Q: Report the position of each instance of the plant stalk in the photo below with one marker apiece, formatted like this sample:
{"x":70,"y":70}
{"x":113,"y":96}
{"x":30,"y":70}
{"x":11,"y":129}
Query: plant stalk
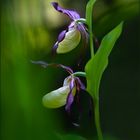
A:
{"x":89,"y":11}
{"x":97,"y":119}
{"x":79,"y":73}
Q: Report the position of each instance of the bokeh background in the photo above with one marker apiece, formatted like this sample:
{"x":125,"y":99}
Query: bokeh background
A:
{"x":29,"y":28}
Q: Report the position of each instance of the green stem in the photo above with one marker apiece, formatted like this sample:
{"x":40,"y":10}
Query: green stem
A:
{"x":79,"y":73}
{"x":81,"y":20}
{"x":97,"y":119}
{"x":89,"y":11}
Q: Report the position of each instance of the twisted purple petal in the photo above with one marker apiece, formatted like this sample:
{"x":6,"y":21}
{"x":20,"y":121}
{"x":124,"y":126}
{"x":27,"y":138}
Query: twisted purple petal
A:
{"x":82,"y":86}
{"x":81,"y":27}
{"x":72,"y":14}
{"x":55,"y":48}
{"x":70,"y":97}
{"x":60,"y":38}
{"x":62,"y":35}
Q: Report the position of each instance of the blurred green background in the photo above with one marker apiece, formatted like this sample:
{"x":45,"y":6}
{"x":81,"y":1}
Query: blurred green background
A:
{"x":29,"y":28}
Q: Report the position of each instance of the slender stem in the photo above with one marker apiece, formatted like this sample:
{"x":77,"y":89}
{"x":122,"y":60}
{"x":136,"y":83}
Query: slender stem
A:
{"x":89,"y":11}
{"x":79,"y":73}
{"x":97,"y":119}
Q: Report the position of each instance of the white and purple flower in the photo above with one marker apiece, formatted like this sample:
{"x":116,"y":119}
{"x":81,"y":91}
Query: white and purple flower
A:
{"x":70,"y":38}
{"x":64,"y":95}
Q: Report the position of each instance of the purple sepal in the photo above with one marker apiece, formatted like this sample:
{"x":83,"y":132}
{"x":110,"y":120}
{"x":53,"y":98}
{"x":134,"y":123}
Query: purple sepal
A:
{"x":68,"y":69}
{"x":45,"y":64}
{"x":72,"y":14}
{"x":42,"y":63}
{"x":70,"y":97}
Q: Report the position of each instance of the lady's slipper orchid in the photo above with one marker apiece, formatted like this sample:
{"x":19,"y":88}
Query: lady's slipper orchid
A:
{"x":70,"y":38}
{"x":65,"y":94}
{"x":58,"y":98}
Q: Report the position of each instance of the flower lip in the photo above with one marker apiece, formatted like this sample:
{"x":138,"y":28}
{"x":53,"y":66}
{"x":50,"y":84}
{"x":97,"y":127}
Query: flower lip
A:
{"x":56,"y":98}
{"x":70,"y":41}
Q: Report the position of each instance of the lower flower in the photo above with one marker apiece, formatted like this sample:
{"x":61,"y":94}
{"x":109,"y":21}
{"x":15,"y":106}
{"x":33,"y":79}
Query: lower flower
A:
{"x":65,"y":94}
{"x":61,"y":96}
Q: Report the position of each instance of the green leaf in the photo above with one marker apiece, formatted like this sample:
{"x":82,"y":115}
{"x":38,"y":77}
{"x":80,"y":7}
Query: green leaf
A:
{"x":98,"y":63}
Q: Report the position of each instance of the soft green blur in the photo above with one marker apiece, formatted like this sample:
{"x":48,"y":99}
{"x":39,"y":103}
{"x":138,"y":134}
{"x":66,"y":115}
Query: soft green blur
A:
{"x":29,"y":28}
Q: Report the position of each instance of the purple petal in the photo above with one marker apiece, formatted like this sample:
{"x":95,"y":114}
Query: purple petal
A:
{"x":70,"y":97}
{"x":84,"y":33}
{"x":82,"y":86}
{"x":61,"y":35}
{"x":55,"y":48}
{"x":60,"y":38}
{"x":72,"y":14}
{"x":70,"y":100}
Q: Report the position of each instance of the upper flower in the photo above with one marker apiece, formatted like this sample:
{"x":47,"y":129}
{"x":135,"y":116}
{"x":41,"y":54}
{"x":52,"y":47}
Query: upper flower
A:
{"x":69,"y":39}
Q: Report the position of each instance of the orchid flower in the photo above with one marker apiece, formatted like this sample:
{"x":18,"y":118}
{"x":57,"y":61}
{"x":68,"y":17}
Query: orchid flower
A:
{"x":70,"y":38}
{"x":64,"y":95}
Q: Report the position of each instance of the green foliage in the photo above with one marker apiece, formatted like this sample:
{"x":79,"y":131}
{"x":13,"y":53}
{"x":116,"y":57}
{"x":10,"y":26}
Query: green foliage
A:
{"x":98,"y":63}
{"x":89,"y":8}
